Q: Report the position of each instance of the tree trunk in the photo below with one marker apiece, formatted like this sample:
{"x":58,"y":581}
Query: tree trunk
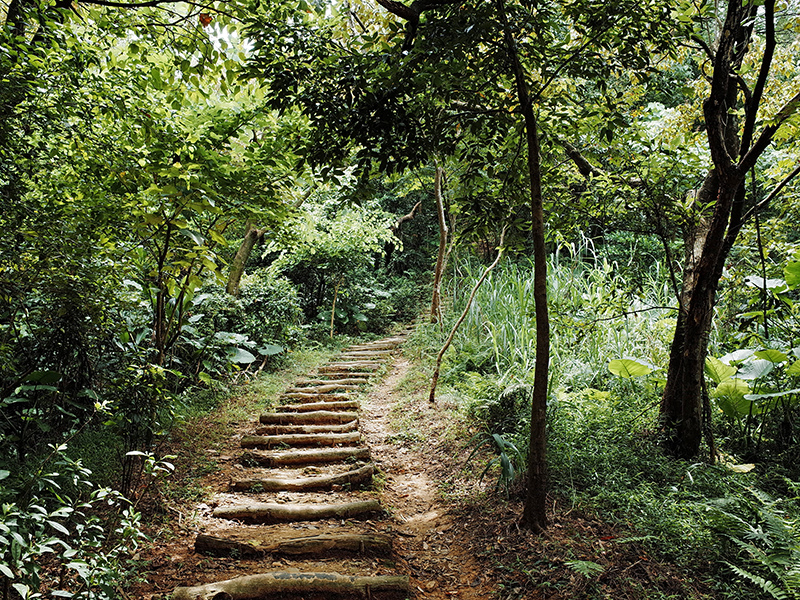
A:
{"x":251,"y":238}
{"x":253,"y":587}
{"x":443,"y":232}
{"x":258,"y":543}
{"x":534,"y":514}
{"x":267,"y":458}
{"x":304,"y":484}
{"x":300,"y":439}
{"x":266,"y":513}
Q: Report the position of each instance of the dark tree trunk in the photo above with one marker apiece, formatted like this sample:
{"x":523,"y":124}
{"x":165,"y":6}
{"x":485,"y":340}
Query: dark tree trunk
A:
{"x":534,"y":514}
{"x":682,"y":415}
{"x":443,"y":233}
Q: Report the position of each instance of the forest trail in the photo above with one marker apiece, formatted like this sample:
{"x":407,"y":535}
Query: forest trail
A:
{"x":323,"y":499}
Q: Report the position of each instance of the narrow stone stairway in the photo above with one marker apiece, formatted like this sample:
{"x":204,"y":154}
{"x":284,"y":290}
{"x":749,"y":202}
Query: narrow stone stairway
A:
{"x":303,"y":511}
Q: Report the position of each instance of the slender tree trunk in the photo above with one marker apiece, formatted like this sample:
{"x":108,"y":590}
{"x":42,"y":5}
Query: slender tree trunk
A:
{"x":443,"y":232}
{"x":534,"y":513}
{"x":251,"y":238}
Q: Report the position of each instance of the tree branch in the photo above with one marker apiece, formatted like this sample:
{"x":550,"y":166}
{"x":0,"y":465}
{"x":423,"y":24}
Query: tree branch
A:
{"x":753,"y":102}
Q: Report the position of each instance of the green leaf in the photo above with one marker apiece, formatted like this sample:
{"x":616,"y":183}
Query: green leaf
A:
{"x":241,"y":356}
{"x":737,"y":356}
{"x":270,"y":350}
{"x":205,"y":378}
{"x":772,"y":394}
{"x":6,"y":571}
{"x":794,"y":368}
{"x":774,"y":356}
{"x":627,"y":368}
{"x":717,"y":370}
{"x":44,"y":377}
{"x":5,"y":474}
{"x":22,"y":589}
{"x":755,"y":369}
{"x":791,"y":273}
{"x":730,"y":397}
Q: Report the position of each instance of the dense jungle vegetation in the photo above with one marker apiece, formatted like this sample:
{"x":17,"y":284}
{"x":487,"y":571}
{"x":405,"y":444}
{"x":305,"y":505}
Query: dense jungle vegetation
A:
{"x":192,"y":191}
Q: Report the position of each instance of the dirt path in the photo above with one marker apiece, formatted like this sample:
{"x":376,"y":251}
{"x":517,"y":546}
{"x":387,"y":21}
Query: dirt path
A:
{"x":321,"y":497}
{"x":417,"y":522}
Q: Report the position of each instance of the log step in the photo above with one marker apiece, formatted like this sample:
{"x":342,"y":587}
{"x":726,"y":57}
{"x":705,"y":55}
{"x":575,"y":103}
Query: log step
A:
{"x":350,"y":366}
{"x":268,"y":513}
{"x":249,"y":544}
{"x":314,"y":406}
{"x":268,"y":585}
{"x":340,"y":374}
{"x":317,"y":416}
{"x":271,"y":458}
{"x":300,"y":439}
{"x":368,"y":347}
{"x":365,"y":354}
{"x":322,"y":389}
{"x":311,"y":397}
{"x":350,"y":380}
{"x":305,"y":429}
{"x":304,"y":484}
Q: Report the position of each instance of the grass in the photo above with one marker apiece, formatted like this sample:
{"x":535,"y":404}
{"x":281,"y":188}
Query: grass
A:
{"x":604,"y":455}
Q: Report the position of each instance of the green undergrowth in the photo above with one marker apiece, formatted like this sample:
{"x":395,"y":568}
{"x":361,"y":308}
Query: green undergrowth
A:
{"x":209,"y":417}
{"x":730,"y":526}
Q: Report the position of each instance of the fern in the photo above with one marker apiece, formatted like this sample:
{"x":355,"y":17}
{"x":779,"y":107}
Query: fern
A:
{"x":589,"y":569}
{"x":766,"y":585}
{"x":769,"y":541}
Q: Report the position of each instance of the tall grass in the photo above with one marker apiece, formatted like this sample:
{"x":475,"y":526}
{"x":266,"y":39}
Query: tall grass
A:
{"x":603,"y":450}
{"x":594,"y":320}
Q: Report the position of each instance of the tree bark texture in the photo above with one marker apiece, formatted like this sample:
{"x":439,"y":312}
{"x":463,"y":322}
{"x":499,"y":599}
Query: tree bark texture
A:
{"x":262,"y":543}
{"x":443,"y":232}
{"x":262,"y":512}
{"x":319,"y":416}
{"x":254,"y":587}
{"x":315,"y":406}
{"x":307,"y":429}
{"x":268,"y":458}
{"x":534,"y":514}
{"x":300,"y":439}
{"x":251,"y":237}
{"x":304,"y":484}
{"x":681,"y":415}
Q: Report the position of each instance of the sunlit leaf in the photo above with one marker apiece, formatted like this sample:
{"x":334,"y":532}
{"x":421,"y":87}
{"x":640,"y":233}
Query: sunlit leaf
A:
{"x":717,"y":370}
{"x":628,"y":367}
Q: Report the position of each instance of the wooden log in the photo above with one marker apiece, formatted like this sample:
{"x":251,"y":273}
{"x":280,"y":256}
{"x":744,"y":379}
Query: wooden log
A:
{"x":254,"y":587}
{"x":345,"y":366}
{"x":294,"y":429}
{"x":368,"y":347}
{"x":313,"y":406}
{"x":270,"y":458}
{"x":317,"y":416}
{"x":344,"y":374}
{"x":312,"y":397}
{"x":267,"y":513}
{"x":303,"y":484}
{"x":365,"y":354}
{"x":322,"y":389}
{"x":251,"y":544}
{"x":300,"y":439}
{"x":351,"y":380}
